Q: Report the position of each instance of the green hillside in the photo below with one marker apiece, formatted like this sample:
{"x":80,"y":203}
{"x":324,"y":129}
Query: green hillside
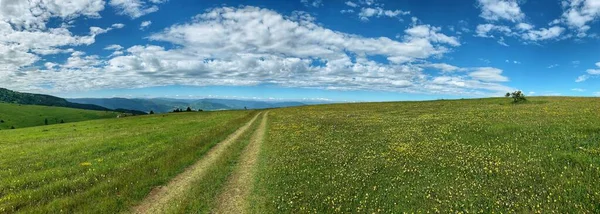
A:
{"x":103,"y":166}
{"x":9,"y":96}
{"x":20,"y":116}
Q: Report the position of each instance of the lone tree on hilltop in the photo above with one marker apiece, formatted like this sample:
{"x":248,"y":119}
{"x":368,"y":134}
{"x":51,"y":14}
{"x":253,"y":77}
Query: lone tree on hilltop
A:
{"x":188,"y":109}
{"x":517,"y":96}
{"x":151,"y":112}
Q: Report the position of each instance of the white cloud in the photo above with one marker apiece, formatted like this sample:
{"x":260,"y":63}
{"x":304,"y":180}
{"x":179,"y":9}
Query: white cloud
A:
{"x":250,"y":46}
{"x":485,"y":30}
{"x":444,"y":67}
{"x":488,"y":74}
{"x":495,"y":10}
{"x":368,"y":12}
{"x":592,"y":72}
{"x":34,"y":15}
{"x":351,"y":4}
{"x":553,"y":66}
{"x":513,"y":61}
{"x":145,"y":24}
{"x":24,"y":34}
{"x":371,"y":8}
{"x":313,"y":3}
{"x":532,"y":35}
{"x":118,"y":25}
{"x":524,"y":26}
{"x":135,"y":8}
{"x":543,"y":33}
{"x":114,"y":47}
{"x":582,"y":78}
{"x":578,"y":89}
{"x":578,"y":14}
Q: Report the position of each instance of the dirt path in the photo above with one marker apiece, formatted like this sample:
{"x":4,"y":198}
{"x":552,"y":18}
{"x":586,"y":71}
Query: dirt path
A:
{"x":234,"y":195}
{"x":159,"y":197}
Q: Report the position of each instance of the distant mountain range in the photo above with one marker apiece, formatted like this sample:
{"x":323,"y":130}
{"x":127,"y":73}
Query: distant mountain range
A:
{"x":8,"y":96}
{"x":162,"y":105}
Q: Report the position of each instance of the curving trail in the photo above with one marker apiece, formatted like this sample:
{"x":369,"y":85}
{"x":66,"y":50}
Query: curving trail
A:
{"x":159,"y":198}
{"x":234,"y":195}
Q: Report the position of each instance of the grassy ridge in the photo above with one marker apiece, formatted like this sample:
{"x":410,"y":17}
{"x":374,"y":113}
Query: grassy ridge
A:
{"x":465,"y":155}
{"x":21,"y":116}
{"x":103,"y":166}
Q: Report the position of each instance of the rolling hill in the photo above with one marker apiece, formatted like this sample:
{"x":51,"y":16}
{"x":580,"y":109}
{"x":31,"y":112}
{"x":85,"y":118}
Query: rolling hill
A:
{"x":20,"y":116}
{"x":9,"y":96}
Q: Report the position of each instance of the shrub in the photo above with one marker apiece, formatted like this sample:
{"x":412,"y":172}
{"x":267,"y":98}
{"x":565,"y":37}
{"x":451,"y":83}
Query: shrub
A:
{"x":517,"y":96}
{"x":62,"y":121}
{"x":188,"y":109}
{"x":12,"y":127}
{"x":46,"y":121}
{"x":1,"y":121}
{"x":151,"y":112}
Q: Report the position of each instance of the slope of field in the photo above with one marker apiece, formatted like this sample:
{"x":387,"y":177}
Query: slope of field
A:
{"x":442,"y":156}
{"x":20,"y":116}
{"x":104,"y":166}
{"x":8,"y":96}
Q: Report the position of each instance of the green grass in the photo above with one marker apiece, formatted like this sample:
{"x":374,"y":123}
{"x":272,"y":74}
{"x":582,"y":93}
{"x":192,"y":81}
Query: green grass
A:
{"x":21,"y":116}
{"x":202,"y":197}
{"x":103,"y":166}
{"x":442,"y":156}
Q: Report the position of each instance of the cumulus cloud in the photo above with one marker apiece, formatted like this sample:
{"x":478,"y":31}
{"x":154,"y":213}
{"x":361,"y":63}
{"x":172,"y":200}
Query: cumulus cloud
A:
{"x":582,"y":78}
{"x":312,"y":3}
{"x":592,"y":72}
{"x":114,"y":47}
{"x":135,"y":8}
{"x":444,"y":67}
{"x":368,"y":12}
{"x":371,"y":8}
{"x":250,"y":46}
{"x":525,"y":32}
{"x":495,"y":10}
{"x":145,"y":24}
{"x":488,"y":74}
{"x":24,"y":34}
{"x":578,"y":14}
{"x":118,"y":25}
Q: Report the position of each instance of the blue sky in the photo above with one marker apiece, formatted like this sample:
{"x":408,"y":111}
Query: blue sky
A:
{"x":346,"y":50}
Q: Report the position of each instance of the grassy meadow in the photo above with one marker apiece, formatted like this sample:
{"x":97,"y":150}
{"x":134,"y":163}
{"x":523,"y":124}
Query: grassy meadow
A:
{"x":103,"y":166}
{"x":20,"y":116}
{"x":463,"y":156}
{"x":468,"y":156}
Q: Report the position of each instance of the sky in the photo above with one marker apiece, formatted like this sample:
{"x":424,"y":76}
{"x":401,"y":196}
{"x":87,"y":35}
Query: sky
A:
{"x":321,"y":50}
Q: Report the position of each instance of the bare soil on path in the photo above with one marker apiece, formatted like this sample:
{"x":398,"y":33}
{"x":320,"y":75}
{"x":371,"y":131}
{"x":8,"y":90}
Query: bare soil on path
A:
{"x":233,"y":199}
{"x":159,"y":198}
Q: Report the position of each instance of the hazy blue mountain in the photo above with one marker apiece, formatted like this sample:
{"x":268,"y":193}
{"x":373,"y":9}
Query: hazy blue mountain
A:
{"x":135,"y":104}
{"x":9,"y":96}
{"x":162,"y":105}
